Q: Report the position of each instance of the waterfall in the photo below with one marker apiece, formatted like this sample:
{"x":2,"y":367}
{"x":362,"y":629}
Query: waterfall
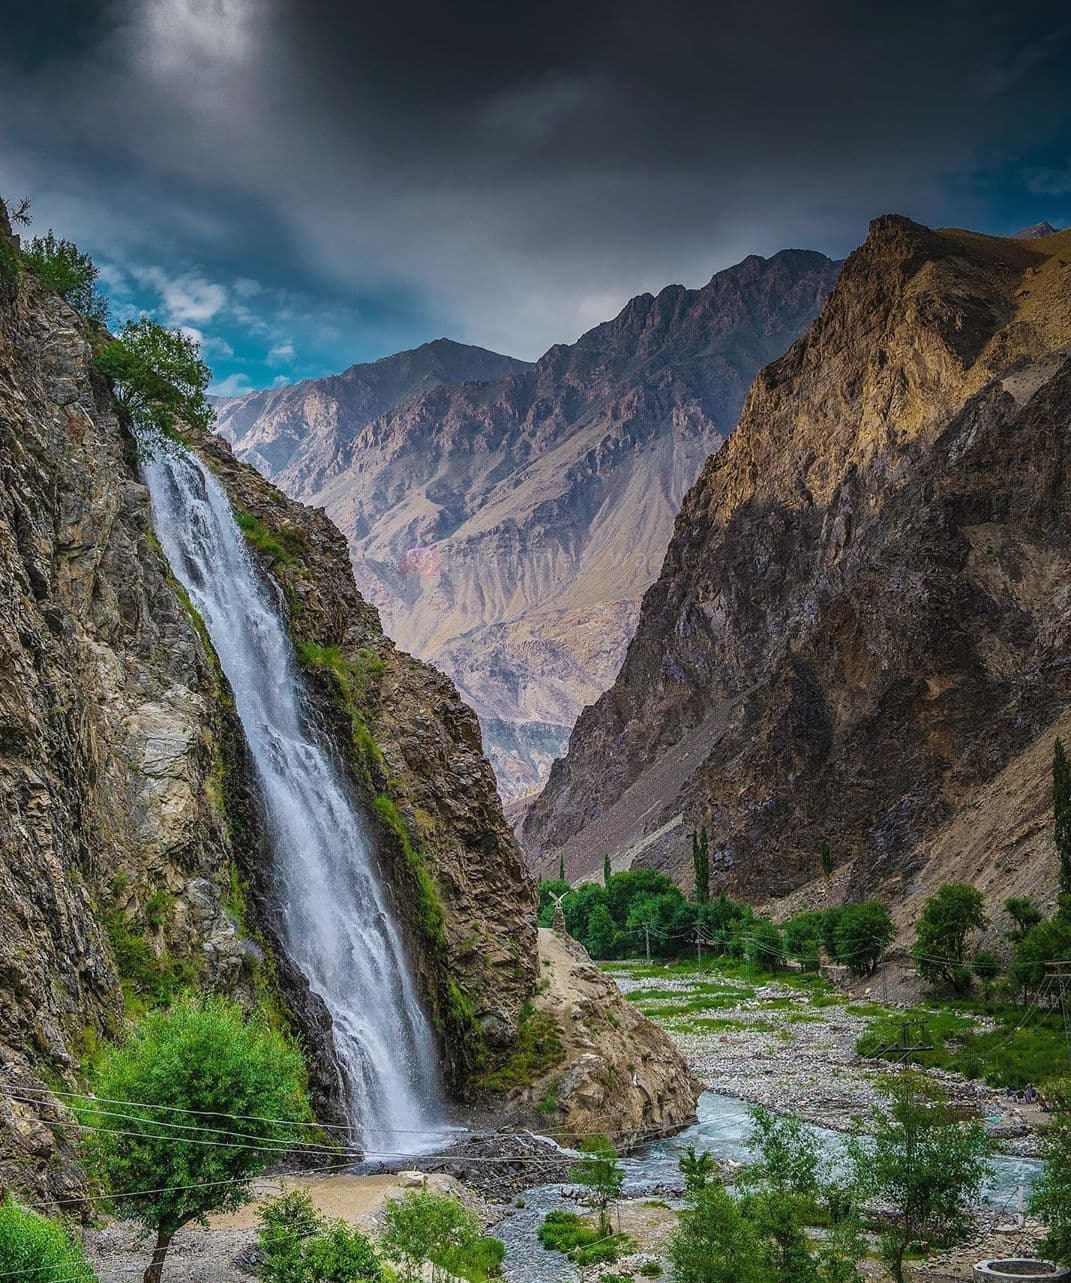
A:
{"x":337,"y":927}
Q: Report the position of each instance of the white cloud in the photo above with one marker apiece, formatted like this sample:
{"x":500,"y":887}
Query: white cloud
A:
{"x":246,"y":288}
{"x":281,"y":353}
{"x":187,"y":298}
{"x":236,"y":384}
{"x":280,"y":381}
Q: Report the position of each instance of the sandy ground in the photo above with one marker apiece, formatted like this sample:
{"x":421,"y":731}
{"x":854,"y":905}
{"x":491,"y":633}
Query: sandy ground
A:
{"x":219,"y":1253}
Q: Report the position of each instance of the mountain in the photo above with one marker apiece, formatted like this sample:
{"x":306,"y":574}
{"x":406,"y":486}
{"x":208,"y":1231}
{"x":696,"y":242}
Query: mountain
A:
{"x":507,"y":529}
{"x":136,"y":860}
{"x":286,"y":432}
{"x":860,"y":633}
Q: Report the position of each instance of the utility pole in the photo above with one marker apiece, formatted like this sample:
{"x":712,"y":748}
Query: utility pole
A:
{"x":647,"y":940}
{"x":1061,"y":971}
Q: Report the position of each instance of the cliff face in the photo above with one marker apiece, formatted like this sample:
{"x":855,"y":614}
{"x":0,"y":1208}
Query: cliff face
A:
{"x":132,"y":861}
{"x":508,"y":528}
{"x":115,"y":742}
{"x":862,"y":616}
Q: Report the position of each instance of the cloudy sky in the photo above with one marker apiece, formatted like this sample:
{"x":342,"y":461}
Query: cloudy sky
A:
{"x":307,"y":184}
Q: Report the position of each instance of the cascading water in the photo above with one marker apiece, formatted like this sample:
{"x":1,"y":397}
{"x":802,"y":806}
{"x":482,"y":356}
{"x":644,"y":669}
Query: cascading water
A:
{"x":337,"y":928}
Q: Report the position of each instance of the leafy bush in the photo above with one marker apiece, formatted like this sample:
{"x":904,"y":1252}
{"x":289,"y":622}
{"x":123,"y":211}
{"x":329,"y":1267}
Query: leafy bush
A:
{"x":764,"y":947}
{"x":423,"y":1227}
{"x":803,"y":938}
{"x":297,"y":1245}
{"x":157,"y":377}
{"x":1042,"y":943}
{"x":39,"y":1250}
{"x":1051,"y":1199}
{"x":62,"y":267}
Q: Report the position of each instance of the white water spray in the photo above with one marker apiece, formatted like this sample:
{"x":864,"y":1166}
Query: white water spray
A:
{"x":336,"y":925}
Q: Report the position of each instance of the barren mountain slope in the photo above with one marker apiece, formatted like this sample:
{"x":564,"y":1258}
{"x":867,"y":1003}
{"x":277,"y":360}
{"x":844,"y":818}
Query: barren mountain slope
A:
{"x":863,"y":614}
{"x":287,"y":432}
{"x":507,"y":529}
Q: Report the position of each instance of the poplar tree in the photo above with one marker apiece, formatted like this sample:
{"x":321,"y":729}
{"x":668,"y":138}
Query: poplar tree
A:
{"x":606,"y":869}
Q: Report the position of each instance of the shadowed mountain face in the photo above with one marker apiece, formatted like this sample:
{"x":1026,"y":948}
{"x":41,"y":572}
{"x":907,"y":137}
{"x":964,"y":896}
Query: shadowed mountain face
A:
{"x":508,"y":526}
{"x":863,"y":616}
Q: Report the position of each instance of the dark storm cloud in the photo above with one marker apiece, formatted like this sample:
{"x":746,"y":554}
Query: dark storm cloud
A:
{"x":520,"y":170}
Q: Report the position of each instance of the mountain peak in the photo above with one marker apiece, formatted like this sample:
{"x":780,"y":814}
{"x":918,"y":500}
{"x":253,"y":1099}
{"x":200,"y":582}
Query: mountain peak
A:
{"x":1035,"y":232}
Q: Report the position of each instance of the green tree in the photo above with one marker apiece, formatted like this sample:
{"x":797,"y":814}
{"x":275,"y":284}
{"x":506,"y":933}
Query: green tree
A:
{"x":423,"y":1227}
{"x":714,"y":1243}
{"x":986,"y":966}
{"x":62,"y":267}
{"x":157,"y":376}
{"x":787,"y":1156}
{"x":168,"y":1168}
{"x":601,"y":938}
{"x":764,"y":947}
{"x":696,"y":1168}
{"x":561,"y":866}
{"x":825,"y":859}
{"x":38,"y":1250}
{"x":297,"y":1245}
{"x":1051,"y":1197}
{"x":941,"y":934}
{"x":1044,"y":943}
{"x":1061,"y":822}
{"x":1023,"y":913}
{"x":701,"y":865}
{"x":607,"y":872}
{"x":803,"y":939}
{"x":599,"y":1172}
{"x":862,"y":935}
{"x":925,"y":1163}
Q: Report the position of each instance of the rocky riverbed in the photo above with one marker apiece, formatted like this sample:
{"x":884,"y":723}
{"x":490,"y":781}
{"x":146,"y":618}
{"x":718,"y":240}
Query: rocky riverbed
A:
{"x":792,"y":1050}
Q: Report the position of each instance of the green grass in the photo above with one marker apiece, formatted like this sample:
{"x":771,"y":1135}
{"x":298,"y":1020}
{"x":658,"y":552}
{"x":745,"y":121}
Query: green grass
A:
{"x":536,"y":1052}
{"x":578,"y":1238}
{"x":1014,"y":1053}
{"x":282,"y":548}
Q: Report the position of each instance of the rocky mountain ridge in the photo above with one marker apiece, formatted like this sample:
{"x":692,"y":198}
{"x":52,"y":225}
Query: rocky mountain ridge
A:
{"x":863,"y":617}
{"x":133,"y":861}
{"x":507,"y":529}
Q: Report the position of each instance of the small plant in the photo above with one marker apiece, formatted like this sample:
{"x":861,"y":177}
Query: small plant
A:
{"x":601,"y":1174}
{"x":651,"y":1270}
{"x":696,"y":1168}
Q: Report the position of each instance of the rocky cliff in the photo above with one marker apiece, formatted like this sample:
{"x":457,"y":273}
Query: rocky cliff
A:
{"x":863,"y":617}
{"x":132,"y":862}
{"x":508,"y":528}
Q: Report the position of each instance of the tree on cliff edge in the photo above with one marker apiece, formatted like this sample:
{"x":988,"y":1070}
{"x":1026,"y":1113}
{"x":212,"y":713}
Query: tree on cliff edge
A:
{"x":188,"y":1110}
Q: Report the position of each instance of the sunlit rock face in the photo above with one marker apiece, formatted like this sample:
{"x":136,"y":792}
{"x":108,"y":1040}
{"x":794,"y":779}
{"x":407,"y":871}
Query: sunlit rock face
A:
{"x":862,"y":619}
{"x":507,"y":526}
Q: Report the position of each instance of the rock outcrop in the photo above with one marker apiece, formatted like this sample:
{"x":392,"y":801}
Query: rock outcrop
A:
{"x":863,"y":617}
{"x":132,"y":858}
{"x":507,"y":528}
